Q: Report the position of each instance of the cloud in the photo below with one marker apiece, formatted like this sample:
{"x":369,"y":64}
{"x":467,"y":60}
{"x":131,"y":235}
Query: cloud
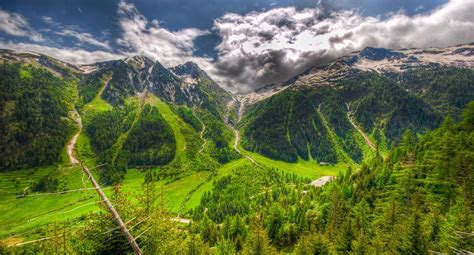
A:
{"x":267,"y":47}
{"x":70,"y":55}
{"x":148,"y":38}
{"x":47,"y":19}
{"x":16,"y":25}
{"x":84,"y":38}
{"x":419,"y":8}
{"x":143,"y":37}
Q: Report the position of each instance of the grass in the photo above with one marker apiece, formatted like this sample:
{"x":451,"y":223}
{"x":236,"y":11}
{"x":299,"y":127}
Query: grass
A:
{"x":173,"y":120}
{"x":309,"y":169}
{"x":18,"y":215}
{"x":37,"y":209}
{"x":226,"y":169}
{"x":97,"y":105}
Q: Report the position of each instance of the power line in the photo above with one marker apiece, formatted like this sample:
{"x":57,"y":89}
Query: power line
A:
{"x":73,"y":209}
{"x":51,"y":213}
{"x":32,"y":241}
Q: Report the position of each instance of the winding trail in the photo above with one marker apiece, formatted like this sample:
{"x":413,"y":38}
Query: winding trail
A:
{"x":236,"y":133}
{"x":77,"y":118}
{"x":359,"y":129}
{"x":72,"y":143}
{"x":106,"y":84}
{"x":72,"y":158}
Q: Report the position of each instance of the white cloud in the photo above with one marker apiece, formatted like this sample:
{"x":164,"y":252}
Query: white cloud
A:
{"x":144,"y":37}
{"x":70,"y":55}
{"x":84,"y":38}
{"x":16,"y":25}
{"x":261,"y":47}
{"x":47,"y":19}
{"x":266,"y":47}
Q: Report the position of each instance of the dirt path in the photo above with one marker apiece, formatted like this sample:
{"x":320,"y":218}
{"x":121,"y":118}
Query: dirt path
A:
{"x":236,"y":139}
{"x":72,"y":143}
{"x":77,"y":118}
{"x":366,"y":137}
{"x":181,"y":220}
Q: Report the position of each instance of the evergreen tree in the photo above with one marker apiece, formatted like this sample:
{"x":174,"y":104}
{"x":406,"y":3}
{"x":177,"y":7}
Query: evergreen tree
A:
{"x":414,"y":241}
{"x":312,"y":244}
{"x":225,"y":247}
{"x":258,"y":242}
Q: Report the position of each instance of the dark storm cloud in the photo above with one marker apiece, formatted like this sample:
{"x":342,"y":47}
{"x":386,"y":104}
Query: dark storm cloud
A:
{"x":267,"y":47}
{"x":242,"y":45}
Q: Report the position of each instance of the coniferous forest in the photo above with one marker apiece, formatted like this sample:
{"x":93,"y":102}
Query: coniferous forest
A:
{"x":236,"y":127}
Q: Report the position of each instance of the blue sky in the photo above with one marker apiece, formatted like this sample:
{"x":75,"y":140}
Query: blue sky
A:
{"x":243,"y":44}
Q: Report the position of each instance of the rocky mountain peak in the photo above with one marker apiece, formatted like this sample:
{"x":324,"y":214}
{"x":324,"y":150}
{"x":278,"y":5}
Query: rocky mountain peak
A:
{"x":189,"y":68}
{"x":377,"y":54}
{"x":139,"y":61}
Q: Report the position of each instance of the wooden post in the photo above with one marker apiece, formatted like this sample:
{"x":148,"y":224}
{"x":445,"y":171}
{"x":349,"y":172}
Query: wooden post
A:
{"x":114,"y":213}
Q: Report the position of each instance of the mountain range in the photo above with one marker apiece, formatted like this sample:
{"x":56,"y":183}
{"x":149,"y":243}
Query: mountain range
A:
{"x":333,"y":113}
{"x":369,"y":154}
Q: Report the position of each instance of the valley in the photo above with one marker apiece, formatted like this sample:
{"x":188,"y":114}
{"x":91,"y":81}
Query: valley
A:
{"x":176,"y":153}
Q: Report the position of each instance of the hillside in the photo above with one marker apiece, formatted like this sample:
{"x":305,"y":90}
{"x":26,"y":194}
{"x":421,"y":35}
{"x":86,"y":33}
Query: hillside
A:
{"x":170,"y":147}
{"x":378,"y":93}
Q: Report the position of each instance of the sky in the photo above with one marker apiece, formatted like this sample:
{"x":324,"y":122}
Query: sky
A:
{"x":241,"y":44}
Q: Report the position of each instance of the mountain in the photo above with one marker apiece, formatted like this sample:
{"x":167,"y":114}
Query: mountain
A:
{"x":371,"y":153}
{"x":335,"y":113}
{"x":327,"y":112}
{"x":35,"y":106}
{"x":130,"y":76}
{"x":202,"y":90}
{"x":116,"y":102}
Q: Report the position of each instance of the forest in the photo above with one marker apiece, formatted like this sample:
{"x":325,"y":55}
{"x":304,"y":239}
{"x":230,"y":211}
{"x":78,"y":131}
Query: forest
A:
{"x":302,"y":122}
{"x":34,"y":116}
{"x":415,"y":200}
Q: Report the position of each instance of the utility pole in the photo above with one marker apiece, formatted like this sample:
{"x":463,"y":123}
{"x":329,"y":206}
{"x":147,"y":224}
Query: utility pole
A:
{"x":114,"y":213}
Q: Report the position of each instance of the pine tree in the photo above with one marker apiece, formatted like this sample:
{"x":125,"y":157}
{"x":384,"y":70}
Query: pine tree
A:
{"x":208,"y":230}
{"x":258,"y":242}
{"x":274,"y":222}
{"x":225,"y":247}
{"x":414,"y":241}
{"x":312,"y":244}
{"x":150,"y":195}
{"x":361,"y":216}
{"x":336,"y":214}
{"x":387,"y":229}
{"x":361,"y":244}
{"x":345,"y":237}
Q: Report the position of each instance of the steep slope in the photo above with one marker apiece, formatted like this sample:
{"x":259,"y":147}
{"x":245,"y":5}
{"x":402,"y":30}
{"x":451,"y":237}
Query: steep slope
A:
{"x":415,"y":201}
{"x":202,"y":90}
{"x":35,"y":107}
{"x":127,"y":77}
{"x":385,"y":91}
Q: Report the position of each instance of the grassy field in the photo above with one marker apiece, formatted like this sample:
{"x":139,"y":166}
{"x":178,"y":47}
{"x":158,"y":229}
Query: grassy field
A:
{"x":37,"y":209}
{"x":21,"y":214}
